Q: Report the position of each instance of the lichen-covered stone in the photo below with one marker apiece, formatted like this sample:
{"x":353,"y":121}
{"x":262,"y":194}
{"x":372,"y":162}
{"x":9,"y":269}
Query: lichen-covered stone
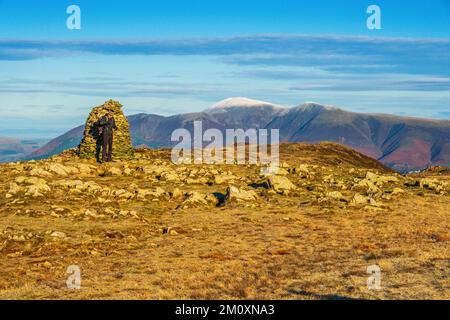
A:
{"x":90,"y":146}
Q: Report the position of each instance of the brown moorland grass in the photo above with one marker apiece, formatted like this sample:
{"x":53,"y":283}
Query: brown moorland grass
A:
{"x":300,"y":245}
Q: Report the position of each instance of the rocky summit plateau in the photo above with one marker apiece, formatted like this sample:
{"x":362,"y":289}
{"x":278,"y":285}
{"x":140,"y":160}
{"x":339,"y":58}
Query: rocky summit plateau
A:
{"x":146,"y":228}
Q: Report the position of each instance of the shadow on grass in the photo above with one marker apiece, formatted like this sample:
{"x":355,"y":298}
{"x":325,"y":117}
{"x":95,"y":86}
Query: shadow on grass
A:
{"x":221,"y":199}
{"x":320,"y":296}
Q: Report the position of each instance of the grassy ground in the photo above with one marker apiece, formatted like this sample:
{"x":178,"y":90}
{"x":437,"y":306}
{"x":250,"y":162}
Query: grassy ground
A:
{"x":280,"y":247}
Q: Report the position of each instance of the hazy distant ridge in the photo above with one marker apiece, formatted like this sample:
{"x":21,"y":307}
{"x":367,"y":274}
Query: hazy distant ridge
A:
{"x":402,"y":143}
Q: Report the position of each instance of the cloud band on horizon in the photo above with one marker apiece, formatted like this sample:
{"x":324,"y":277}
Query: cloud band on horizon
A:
{"x":401,"y":75}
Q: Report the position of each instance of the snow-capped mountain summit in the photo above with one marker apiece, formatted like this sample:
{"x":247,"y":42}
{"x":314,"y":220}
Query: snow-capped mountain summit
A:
{"x":387,"y":138}
{"x":241,"y":102}
{"x":312,"y":104}
{"x":243,"y":112}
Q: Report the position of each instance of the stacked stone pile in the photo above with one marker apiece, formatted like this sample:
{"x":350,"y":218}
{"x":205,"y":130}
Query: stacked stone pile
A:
{"x":90,"y":146}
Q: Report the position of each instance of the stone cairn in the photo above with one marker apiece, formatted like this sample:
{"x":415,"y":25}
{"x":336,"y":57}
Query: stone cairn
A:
{"x":91,"y":144}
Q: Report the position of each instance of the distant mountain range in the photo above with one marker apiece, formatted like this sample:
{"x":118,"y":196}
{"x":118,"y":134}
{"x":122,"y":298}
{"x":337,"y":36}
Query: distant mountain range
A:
{"x":12,"y":149}
{"x":402,"y":143}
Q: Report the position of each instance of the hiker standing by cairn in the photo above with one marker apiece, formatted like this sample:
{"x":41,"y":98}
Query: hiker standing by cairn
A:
{"x":107,"y":125}
{"x":101,"y":130}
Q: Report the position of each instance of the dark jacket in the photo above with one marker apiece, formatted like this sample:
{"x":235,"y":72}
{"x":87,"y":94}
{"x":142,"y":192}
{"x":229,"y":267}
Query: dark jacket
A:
{"x":107,"y":125}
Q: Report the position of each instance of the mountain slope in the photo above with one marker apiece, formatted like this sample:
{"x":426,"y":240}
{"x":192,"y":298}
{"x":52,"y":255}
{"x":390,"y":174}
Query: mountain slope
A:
{"x":403,"y":143}
{"x":244,"y":113}
{"x":68,"y":140}
{"x":12,"y":149}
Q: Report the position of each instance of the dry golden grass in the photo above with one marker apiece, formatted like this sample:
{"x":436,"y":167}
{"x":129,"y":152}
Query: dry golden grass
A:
{"x":277,"y":248}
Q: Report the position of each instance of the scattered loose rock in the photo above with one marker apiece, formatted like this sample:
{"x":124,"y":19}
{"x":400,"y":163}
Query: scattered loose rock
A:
{"x":235,"y":194}
{"x":280,"y":184}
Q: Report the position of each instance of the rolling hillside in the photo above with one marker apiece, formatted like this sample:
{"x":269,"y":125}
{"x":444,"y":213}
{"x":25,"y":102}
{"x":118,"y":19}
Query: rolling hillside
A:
{"x":402,"y":143}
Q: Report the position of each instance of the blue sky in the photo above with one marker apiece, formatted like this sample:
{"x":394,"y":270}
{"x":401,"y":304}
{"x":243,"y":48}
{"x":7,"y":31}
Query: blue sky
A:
{"x":169,"y":57}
